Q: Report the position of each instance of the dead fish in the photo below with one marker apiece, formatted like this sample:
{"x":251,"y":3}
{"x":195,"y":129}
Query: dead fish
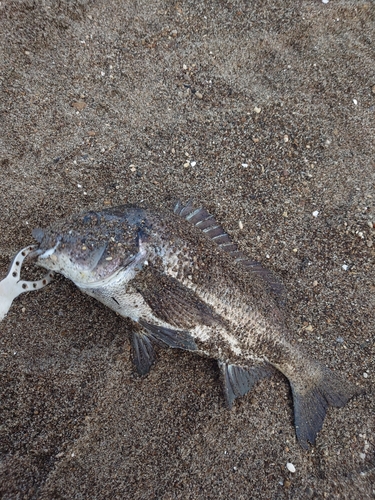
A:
{"x":186,"y":285}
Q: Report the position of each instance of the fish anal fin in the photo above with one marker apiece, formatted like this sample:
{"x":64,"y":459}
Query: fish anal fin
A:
{"x":177,"y":339}
{"x":143,"y":353}
{"x":310,"y":405}
{"x":239,"y":380}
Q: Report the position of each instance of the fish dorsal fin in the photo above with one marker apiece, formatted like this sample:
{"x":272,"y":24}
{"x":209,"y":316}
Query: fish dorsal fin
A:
{"x":208,"y":224}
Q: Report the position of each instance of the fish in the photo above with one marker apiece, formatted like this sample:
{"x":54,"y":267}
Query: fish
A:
{"x":185,"y":284}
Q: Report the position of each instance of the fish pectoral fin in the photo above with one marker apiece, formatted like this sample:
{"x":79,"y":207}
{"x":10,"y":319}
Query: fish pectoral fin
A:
{"x":171,"y":301}
{"x":143,"y":353}
{"x":238,"y":380}
{"x":178,"y":339}
{"x":311,"y":401}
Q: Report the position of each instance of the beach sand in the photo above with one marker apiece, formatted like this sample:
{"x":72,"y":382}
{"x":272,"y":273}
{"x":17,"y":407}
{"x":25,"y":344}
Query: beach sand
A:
{"x":264,"y":113}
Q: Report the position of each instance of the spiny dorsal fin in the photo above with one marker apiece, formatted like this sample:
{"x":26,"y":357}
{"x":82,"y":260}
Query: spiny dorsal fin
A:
{"x":208,"y":224}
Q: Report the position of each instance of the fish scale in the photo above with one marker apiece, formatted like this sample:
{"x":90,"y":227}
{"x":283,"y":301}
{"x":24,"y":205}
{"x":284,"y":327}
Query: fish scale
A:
{"x":185,"y":284}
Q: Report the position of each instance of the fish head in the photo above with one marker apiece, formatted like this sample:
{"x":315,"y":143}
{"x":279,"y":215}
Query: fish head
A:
{"x":93,"y":247}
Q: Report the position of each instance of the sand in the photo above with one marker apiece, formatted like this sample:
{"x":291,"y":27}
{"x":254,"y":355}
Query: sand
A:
{"x":264,"y":113}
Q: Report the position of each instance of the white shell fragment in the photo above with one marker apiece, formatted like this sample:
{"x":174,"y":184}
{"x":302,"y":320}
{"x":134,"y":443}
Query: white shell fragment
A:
{"x":315,"y":213}
{"x":12,"y":285}
{"x":290,"y":467}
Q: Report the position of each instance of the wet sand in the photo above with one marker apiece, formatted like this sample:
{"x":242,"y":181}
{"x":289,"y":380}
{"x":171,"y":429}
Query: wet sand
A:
{"x":264,"y":113}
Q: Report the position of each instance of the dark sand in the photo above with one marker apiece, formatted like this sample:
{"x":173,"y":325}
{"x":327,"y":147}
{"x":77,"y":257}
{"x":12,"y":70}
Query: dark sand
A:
{"x":158,"y":85}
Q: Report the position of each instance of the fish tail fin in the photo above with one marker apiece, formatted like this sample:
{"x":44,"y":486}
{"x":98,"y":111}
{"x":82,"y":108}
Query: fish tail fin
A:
{"x":311,"y":401}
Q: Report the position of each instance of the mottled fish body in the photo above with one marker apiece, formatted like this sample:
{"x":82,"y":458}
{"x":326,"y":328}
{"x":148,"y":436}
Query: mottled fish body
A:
{"x":184,"y":283}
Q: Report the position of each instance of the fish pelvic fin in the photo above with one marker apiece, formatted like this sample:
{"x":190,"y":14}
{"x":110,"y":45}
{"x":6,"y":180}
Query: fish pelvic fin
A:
{"x":143,"y":353}
{"x":311,"y":403}
{"x":239,"y":380}
{"x":168,"y":337}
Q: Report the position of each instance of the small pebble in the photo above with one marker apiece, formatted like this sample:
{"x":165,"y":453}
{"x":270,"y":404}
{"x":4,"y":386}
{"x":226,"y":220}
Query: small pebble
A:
{"x":79,"y":105}
{"x":286,"y":138}
{"x":79,"y":186}
{"x":355,"y":102}
{"x":132,"y":168}
{"x":240,"y":225}
{"x":362,"y":455}
{"x":315,"y":213}
{"x":199,"y":95}
{"x":193,"y":163}
{"x":290,"y":467}
{"x":187,"y":164}
{"x":257,"y":110}
{"x":315,"y":283}
{"x":245,"y":165}
{"x":345,"y":267}
{"x":340,"y":340}
{"x":365,"y":375}
{"x":373,"y":89}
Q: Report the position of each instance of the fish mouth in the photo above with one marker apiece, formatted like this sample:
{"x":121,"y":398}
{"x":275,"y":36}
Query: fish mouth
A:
{"x":34,"y":254}
{"x":40,"y":253}
{"x":47,"y":253}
